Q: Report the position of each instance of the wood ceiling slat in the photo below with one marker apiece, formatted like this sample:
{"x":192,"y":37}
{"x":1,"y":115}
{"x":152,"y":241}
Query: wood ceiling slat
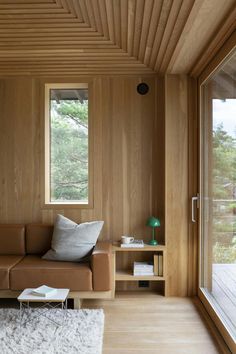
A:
{"x":66,"y":5}
{"x":226,"y":29}
{"x":10,"y":36}
{"x":24,"y":6}
{"x":185,"y":10}
{"x":202,"y":29}
{"x":117,"y":22}
{"x":131,"y":23}
{"x":59,"y":3}
{"x":53,"y":31}
{"x":63,"y":45}
{"x":139,"y":12}
{"x":89,"y":57}
{"x":101,"y":59}
{"x":45,"y":39}
{"x":34,"y":59}
{"x":72,"y":65}
{"x":156,"y":14}
{"x":83,"y":71}
{"x":165,"y":12}
{"x":67,"y":73}
{"x":74,"y":73}
{"x":103,"y":14}
{"x":77,"y":9}
{"x":31,"y":11}
{"x":97,"y":16}
{"x":147,"y":14}
{"x":124,"y":23}
{"x":58,"y":70}
{"x":68,"y":21}
{"x":168,"y":31}
{"x":20,"y":27}
{"x":94,"y":46}
{"x":16,"y":2}
{"x":95,"y":51}
{"x":90,"y":12}
{"x":188,"y":23}
{"x":69,"y":5}
{"x":84,"y":12}
{"x":64,"y":60}
{"x":31,"y":16}
{"x":110,"y":20}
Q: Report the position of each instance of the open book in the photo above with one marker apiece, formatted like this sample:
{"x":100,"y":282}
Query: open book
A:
{"x":44,"y":291}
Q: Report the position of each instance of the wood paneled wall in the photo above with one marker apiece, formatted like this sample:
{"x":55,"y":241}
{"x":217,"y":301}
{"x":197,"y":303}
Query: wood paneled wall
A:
{"x":158,"y":163}
{"x":123,"y":131}
{"x":140,"y":162}
{"x":176,"y":183}
{"x":20,"y":151}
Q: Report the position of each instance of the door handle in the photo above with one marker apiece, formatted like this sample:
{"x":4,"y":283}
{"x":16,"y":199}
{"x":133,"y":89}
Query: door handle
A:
{"x":194,"y":200}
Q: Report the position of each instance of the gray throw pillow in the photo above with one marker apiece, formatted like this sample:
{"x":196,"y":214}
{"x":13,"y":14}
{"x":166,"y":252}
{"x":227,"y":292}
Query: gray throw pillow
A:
{"x":72,"y":242}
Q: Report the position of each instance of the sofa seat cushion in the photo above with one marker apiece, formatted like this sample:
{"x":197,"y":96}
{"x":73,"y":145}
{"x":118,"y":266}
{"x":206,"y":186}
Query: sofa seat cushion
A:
{"x":34,"y":271}
{"x":6,"y":263}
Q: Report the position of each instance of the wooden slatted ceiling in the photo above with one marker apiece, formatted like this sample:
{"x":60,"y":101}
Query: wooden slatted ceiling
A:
{"x":68,"y":37}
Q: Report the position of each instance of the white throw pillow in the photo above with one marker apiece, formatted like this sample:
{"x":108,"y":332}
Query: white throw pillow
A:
{"x":72,"y":242}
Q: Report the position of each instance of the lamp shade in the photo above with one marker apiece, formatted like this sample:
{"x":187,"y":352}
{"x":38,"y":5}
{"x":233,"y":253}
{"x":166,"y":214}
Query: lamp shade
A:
{"x":153,"y":222}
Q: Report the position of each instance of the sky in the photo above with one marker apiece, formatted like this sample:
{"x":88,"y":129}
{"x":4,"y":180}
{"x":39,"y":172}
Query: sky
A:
{"x":225,"y":112}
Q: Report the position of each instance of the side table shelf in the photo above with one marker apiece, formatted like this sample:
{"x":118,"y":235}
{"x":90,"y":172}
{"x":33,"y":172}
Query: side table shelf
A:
{"x":123,"y":259}
{"x":127,"y":275}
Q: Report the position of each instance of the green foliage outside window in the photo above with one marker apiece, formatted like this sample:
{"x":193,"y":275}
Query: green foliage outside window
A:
{"x":69,"y":150}
{"x":223,"y":254}
{"x":224,"y":190}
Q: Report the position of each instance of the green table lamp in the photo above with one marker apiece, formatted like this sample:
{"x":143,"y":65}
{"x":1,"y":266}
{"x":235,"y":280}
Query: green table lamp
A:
{"x":153,"y":222}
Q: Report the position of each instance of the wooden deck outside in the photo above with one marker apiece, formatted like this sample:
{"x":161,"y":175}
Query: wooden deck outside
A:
{"x":224,"y":289}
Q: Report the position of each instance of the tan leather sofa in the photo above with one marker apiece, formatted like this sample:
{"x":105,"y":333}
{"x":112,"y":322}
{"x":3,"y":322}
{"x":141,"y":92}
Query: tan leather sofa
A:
{"x":21,"y":265}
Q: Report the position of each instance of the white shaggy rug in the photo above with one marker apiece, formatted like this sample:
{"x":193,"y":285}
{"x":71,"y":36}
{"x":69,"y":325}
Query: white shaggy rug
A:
{"x":81,"y":332}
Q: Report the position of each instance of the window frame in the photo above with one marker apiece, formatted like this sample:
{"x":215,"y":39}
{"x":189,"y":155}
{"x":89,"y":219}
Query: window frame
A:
{"x":215,"y":313}
{"x":46,"y":185}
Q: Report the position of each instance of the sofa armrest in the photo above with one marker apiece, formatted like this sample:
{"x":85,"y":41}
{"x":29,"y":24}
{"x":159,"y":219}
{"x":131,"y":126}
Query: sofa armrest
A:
{"x":101,"y":262}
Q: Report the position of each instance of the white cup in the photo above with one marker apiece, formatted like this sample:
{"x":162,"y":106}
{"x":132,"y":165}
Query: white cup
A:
{"x":127,"y":239}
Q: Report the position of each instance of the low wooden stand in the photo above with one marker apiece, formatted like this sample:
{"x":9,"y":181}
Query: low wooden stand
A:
{"x":123,"y":268}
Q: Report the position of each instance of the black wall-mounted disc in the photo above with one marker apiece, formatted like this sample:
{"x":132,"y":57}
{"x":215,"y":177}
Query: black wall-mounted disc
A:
{"x":142,"y":88}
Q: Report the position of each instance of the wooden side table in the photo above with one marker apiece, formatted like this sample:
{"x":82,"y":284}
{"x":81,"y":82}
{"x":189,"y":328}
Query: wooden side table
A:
{"x":122,"y":271}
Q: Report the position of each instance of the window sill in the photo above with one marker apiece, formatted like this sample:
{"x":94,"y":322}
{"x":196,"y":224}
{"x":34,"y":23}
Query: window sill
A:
{"x":69,"y":205}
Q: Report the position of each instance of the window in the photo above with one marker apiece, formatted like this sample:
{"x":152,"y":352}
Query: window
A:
{"x":66,"y":144}
{"x":218,"y":180}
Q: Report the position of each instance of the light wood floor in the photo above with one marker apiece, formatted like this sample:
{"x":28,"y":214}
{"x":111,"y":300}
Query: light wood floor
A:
{"x":151,"y":324}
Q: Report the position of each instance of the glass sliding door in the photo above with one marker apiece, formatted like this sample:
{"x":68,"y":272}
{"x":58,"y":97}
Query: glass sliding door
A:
{"x":218,"y":193}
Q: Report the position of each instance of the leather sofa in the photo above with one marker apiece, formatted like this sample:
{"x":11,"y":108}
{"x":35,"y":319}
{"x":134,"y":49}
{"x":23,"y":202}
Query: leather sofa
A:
{"x":21,"y":265}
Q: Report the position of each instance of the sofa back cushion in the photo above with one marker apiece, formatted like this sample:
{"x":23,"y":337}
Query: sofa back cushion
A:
{"x":12,"y":239}
{"x":38,"y":238}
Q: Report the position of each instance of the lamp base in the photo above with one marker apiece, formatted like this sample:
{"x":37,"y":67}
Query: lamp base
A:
{"x":153,"y":242}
